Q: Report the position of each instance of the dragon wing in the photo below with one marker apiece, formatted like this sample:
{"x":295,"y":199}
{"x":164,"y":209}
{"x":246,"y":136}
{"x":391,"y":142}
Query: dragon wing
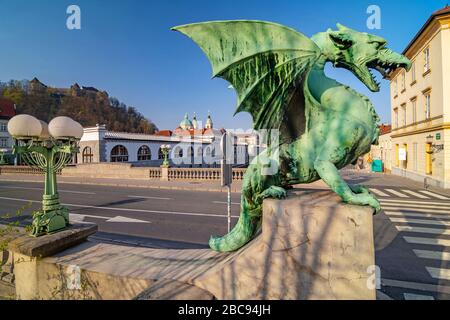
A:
{"x":266,"y":63}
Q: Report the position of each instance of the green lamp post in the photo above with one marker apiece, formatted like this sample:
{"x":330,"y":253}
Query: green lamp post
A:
{"x":49,"y":148}
{"x":2,"y":156}
{"x":165,"y":149}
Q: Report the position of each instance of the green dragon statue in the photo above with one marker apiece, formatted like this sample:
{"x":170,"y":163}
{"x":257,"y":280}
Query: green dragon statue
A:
{"x":278,"y":74}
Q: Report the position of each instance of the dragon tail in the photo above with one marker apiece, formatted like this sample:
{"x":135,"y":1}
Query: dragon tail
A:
{"x":241,"y":234}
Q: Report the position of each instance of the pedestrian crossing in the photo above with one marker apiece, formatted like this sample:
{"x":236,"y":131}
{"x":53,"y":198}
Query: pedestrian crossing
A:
{"x":408,"y":194}
{"x":422,"y":219}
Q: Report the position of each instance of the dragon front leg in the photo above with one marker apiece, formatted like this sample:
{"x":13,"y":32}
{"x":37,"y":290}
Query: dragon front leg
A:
{"x":358,"y":195}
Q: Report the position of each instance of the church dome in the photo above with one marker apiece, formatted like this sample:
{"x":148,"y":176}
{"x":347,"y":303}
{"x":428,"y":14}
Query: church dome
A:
{"x":186,"y":124}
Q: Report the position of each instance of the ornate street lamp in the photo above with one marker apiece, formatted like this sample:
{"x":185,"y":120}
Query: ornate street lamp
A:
{"x":165,"y":149}
{"x":47,"y":147}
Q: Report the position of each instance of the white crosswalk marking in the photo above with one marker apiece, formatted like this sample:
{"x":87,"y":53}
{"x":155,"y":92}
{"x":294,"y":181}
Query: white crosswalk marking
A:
{"x":418,"y":215}
{"x":398,"y":194}
{"x":435,"y":195}
{"x":425,"y":206}
{"x":412,"y":296}
{"x":423,"y":230}
{"x":399,"y":201}
{"x":379,"y":192}
{"x":438,"y":273}
{"x":414,"y":209}
{"x":428,"y":241}
{"x":419,"y":221}
{"x":415,"y":194}
{"x":433,"y":255}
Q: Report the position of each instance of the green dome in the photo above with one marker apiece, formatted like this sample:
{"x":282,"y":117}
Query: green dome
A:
{"x":186,"y":123}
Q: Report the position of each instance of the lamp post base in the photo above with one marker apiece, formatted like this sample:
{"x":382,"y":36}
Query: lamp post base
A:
{"x":47,"y":222}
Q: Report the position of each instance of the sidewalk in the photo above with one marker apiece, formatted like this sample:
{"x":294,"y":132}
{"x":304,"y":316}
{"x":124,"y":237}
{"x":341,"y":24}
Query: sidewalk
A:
{"x":206,"y":186}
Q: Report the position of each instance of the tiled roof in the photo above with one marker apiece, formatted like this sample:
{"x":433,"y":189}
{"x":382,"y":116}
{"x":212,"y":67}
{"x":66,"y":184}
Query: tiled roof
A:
{"x":385,"y":129}
{"x":7,"y":109}
{"x":147,"y":137}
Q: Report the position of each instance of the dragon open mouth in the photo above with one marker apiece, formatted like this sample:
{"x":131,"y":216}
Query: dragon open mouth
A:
{"x":385,"y":64}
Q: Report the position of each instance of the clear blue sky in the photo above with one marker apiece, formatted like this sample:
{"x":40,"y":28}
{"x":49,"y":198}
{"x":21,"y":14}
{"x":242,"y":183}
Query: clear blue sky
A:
{"x":127,"y":49}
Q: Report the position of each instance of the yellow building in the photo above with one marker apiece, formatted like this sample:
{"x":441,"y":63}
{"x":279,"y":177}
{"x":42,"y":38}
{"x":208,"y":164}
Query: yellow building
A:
{"x":420,"y":102}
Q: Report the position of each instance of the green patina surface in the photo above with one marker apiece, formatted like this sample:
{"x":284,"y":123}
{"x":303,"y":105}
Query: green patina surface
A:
{"x":278,"y":74}
{"x":50,"y":155}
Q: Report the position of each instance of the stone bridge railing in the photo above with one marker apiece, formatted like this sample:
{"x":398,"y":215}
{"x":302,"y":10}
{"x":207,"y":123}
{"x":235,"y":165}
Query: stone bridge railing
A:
{"x":196,"y":174}
{"x":21,"y":170}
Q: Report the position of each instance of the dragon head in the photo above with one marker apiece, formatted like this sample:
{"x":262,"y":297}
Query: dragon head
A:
{"x":359,"y":53}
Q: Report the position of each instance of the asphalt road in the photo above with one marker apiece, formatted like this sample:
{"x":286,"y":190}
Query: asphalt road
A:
{"x":135,"y":215}
{"x":412,"y":233}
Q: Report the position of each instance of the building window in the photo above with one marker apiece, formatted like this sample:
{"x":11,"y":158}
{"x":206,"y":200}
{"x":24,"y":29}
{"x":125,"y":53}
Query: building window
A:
{"x":427,"y":65}
{"x":413,"y":72}
{"x":199,"y":153}
{"x":403,"y":81}
{"x":88,"y":157}
{"x":427,"y":105}
{"x":178,"y":152}
{"x":396,"y":117}
{"x":119,"y":154}
{"x":414,"y":110}
{"x":144,"y":154}
{"x":3,"y":127}
{"x":4,"y":142}
{"x":395,"y":88}
{"x":160,"y":154}
{"x":404,"y":114}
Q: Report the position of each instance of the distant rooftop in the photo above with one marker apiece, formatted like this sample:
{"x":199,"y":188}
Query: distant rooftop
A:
{"x":7,"y":109}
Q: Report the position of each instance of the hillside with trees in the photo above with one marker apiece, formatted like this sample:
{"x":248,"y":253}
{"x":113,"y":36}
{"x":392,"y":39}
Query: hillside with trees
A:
{"x":87,"y":105}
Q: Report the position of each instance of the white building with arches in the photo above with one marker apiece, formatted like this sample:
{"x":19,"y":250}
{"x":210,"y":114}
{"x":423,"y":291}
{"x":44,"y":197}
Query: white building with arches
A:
{"x":100,"y":145}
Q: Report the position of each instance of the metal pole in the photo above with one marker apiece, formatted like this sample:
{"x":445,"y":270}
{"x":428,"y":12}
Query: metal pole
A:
{"x":229,"y":208}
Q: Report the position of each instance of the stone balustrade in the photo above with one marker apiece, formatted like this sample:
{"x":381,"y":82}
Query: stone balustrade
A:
{"x":22,"y":170}
{"x":202,"y":174}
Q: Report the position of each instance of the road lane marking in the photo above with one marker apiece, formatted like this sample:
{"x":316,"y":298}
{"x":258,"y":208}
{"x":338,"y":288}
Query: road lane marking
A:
{"x":81,"y":217}
{"x":415,"y":286}
{"x":379,"y":192}
{"x":223,"y":202}
{"x":439,"y":273}
{"x":151,"y":198}
{"x":435,"y":195}
{"x":428,"y":241}
{"x":423,"y":230}
{"x":424,"y":206}
{"x":418,"y":221}
{"x":128,"y":209}
{"x":420,"y":297}
{"x":41,"y":189}
{"x":418,"y":215}
{"x":415,"y":194}
{"x":412,"y":209}
{"x":398,"y":194}
{"x":433,"y":255}
{"x":446,"y":204}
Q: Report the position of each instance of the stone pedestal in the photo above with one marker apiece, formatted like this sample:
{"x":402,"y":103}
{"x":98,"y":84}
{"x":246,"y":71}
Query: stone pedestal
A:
{"x":312,"y":246}
{"x":164,"y":173}
{"x":31,"y":275}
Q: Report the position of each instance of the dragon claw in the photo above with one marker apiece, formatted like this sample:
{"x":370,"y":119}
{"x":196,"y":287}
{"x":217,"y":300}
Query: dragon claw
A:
{"x":365,"y":199}
{"x":272,"y":192}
